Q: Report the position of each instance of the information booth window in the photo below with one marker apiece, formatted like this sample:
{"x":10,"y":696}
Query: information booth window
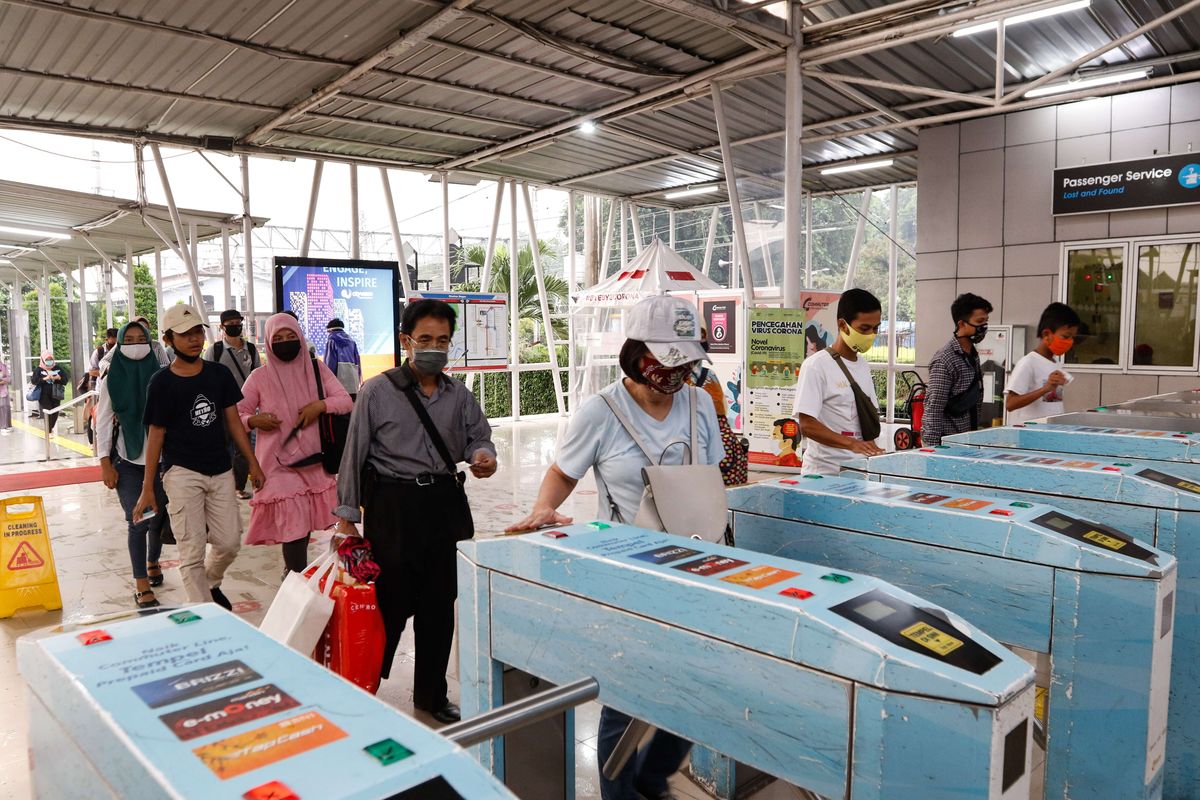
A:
{"x":1164,"y":312}
{"x":1093,"y":281}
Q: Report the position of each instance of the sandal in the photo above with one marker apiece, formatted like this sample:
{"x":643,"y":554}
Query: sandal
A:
{"x":151,"y":603}
{"x":154,"y":573}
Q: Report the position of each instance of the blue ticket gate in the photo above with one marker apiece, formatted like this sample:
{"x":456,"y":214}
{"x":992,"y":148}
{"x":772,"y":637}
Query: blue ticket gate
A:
{"x":1124,"y":418}
{"x":199,"y":704}
{"x":836,"y":682}
{"x":1156,"y":502}
{"x":1080,"y":601}
{"x":1092,"y":440}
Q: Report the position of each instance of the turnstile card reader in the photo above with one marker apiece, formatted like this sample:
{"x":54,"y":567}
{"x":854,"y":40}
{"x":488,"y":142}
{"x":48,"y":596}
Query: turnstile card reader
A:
{"x":199,"y":704}
{"x":1122,"y":418}
{"x":834,"y":681}
{"x":1087,"y":601}
{"x":1095,"y":440}
{"x":1154,"y":501}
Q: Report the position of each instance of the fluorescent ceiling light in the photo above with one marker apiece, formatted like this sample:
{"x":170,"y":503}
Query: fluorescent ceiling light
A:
{"x":879,"y":164}
{"x":33,"y":232}
{"x":690,"y":192}
{"x":587,"y":126}
{"x":1088,"y":83}
{"x":5,"y":246}
{"x":6,"y":262}
{"x":1019,"y":18}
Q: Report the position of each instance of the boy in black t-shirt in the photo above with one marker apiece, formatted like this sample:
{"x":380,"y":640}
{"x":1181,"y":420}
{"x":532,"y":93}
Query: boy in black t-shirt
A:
{"x":189,"y":407}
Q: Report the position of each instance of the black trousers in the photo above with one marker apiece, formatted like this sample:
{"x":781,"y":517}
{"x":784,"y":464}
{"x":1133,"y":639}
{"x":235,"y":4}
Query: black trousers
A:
{"x":413,"y":531}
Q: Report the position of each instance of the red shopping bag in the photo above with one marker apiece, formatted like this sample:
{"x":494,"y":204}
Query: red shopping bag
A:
{"x":353,"y":642}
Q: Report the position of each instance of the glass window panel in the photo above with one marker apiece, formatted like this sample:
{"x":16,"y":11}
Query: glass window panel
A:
{"x":1094,"y":277}
{"x":1164,"y":322}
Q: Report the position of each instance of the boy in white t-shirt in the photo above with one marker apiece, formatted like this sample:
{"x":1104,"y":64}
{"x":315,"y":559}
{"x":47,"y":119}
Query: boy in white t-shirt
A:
{"x":825,"y":403}
{"x":1035,"y":389}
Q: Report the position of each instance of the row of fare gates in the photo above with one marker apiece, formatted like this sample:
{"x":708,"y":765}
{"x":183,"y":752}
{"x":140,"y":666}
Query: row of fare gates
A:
{"x":1012,"y":614}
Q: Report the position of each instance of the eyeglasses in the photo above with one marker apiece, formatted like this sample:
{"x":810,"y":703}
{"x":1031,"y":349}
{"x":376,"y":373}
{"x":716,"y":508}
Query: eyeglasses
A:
{"x":441,"y":342}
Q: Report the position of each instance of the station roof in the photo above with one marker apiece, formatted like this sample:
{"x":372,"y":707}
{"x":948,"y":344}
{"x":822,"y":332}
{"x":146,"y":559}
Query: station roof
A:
{"x":500,"y":87}
{"x":87,"y":226}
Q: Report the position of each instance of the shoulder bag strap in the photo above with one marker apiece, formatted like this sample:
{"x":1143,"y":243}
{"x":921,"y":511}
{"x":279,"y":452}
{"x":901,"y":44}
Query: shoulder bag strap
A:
{"x":628,"y":426}
{"x":695,"y":429}
{"x":317,"y":375}
{"x":838,"y":360}
{"x":439,"y":444}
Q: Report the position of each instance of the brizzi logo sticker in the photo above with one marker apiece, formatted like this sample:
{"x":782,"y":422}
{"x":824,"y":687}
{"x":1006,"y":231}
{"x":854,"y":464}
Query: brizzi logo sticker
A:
{"x":195,"y":684}
{"x":217,"y":715}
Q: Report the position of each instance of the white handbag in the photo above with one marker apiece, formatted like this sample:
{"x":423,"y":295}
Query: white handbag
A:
{"x":301,"y":608}
{"x":682,"y":499}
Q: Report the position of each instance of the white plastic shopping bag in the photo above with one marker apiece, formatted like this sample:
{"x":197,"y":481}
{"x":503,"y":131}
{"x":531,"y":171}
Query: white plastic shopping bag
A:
{"x":301,"y":609}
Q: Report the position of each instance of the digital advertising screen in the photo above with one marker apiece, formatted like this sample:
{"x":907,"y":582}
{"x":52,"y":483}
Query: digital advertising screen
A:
{"x":364,"y":295}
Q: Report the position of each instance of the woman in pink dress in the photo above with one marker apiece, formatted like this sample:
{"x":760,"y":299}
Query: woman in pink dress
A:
{"x":280,"y":402}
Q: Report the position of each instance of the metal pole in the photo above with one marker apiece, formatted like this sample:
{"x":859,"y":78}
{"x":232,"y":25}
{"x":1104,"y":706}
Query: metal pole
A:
{"x":177,"y":224}
{"x":355,"y":250}
{"x":485,"y":280}
{"x":396,"y":240}
{"x":514,"y":305}
{"x":542,"y":301}
{"x":194,"y":249}
{"x":624,"y":236}
{"x":247,"y":246}
{"x":808,"y":243}
{"x":571,"y":284}
{"x":158,"y":287}
{"x":671,"y":225}
{"x":793,"y":187}
{"x":527,"y":711}
{"x":47,"y":325}
{"x":637,"y":228}
{"x":765,"y":246}
{"x":572,"y":242}
{"x":731,"y":188}
{"x":1001,"y":44}
{"x":608,"y":239}
{"x":625,"y":749}
{"x":129,"y":304}
{"x":84,"y":317}
{"x":893,"y":284}
{"x":107,"y":271}
{"x":711,"y":241}
{"x":318,"y":168}
{"x":445,"y":232}
{"x":225,"y":270}
{"x":859,"y":230}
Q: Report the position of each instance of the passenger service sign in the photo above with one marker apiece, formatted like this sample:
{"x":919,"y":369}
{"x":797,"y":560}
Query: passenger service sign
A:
{"x":1121,"y":185}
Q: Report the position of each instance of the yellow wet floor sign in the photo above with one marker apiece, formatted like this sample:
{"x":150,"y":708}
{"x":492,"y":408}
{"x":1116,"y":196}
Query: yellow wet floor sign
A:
{"x":27,"y":576}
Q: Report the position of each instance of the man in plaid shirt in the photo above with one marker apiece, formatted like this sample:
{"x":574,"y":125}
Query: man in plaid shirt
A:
{"x":955,"y":377}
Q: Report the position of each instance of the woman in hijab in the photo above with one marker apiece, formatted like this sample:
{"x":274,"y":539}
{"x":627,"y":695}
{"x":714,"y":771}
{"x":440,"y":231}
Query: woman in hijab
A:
{"x":121,"y":441}
{"x":280,"y":401}
{"x":51,"y":378}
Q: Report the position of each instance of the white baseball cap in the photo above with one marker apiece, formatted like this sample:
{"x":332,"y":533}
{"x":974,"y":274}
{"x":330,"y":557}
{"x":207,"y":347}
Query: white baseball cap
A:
{"x":181,"y":318}
{"x":669,"y":328}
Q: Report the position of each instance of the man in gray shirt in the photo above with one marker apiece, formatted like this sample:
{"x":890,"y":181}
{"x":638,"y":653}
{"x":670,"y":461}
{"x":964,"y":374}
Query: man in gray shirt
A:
{"x":240,"y":356}
{"x":410,"y":429}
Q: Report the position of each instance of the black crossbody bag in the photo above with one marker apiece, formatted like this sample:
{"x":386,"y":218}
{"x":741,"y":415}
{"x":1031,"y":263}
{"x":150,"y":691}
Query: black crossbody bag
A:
{"x":334,"y":430}
{"x":868,"y":410}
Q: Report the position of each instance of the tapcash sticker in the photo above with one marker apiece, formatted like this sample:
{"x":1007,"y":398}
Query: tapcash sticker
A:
{"x":249,"y":751}
{"x":931,"y":638}
{"x":760,"y":577}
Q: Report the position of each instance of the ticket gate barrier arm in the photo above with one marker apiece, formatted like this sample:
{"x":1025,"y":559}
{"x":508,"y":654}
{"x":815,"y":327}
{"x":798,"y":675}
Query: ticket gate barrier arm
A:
{"x":724,"y":666}
{"x":1163,"y":509}
{"x":514,"y":716}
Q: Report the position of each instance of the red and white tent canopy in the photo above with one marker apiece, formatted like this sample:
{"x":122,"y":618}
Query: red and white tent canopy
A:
{"x":657,"y":270}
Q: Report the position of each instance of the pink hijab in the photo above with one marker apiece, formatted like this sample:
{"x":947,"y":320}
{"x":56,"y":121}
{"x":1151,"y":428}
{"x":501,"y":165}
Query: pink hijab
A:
{"x":286,"y":387}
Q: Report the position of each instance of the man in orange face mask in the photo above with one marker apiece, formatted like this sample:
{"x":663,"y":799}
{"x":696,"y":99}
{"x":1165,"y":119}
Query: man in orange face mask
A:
{"x":1035,"y":388}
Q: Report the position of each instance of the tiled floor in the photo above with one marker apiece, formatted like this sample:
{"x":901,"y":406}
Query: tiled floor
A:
{"x":88,"y":534}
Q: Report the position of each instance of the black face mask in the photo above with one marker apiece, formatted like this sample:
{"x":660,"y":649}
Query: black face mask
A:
{"x":186,"y":358}
{"x":977,"y":336}
{"x":286,"y":351}
{"x":233,"y":330}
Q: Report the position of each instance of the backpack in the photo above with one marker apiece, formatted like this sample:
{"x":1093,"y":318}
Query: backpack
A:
{"x":218,"y":349}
